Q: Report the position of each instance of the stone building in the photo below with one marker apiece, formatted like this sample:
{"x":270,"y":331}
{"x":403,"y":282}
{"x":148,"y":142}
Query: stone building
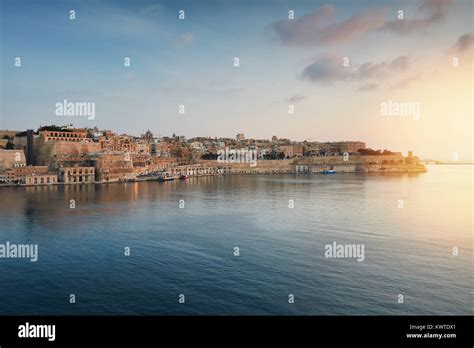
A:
{"x":69,"y":136}
{"x":349,"y":146}
{"x":17,"y":175}
{"x":292,"y":150}
{"x":77,"y":175}
{"x":52,"y":153}
{"x":40,"y":179}
{"x":113,"y":167}
{"x":121,"y":143}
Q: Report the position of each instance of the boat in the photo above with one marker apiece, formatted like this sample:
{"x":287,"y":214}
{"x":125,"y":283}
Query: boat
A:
{"x":165,"y":178}
{"x":184,"y":177}
{"x":329,"y":171}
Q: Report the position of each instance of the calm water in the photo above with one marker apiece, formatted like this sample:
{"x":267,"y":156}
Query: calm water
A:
{"x":190,"y":251}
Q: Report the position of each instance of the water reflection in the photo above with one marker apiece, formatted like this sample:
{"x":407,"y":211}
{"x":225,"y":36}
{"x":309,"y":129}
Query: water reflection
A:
{"x":408,"y":250}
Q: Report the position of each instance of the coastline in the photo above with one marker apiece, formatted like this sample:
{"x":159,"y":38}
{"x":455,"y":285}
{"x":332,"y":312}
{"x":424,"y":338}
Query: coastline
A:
{"x":360,"y":169}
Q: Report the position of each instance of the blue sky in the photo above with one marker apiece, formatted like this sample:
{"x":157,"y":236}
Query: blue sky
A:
{"x":190,"y":62}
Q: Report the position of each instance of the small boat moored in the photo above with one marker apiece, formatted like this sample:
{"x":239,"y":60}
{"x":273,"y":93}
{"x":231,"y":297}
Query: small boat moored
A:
{"x":165,"y":178}
{"x":329,"y":171}
{"x":184,"y":177}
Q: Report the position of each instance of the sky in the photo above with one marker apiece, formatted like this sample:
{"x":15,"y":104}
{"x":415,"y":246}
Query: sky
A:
{"x":336,"y":62}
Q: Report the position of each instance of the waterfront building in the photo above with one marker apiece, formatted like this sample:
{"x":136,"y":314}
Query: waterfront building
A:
{"x":192,"y":170}
{"x":18,"y":175}
{"x":302,"y":169}
{"x":161,"y":163}
{"x":77,"y":175}
{"x":113,"y":167}
{"x":40,"y":179}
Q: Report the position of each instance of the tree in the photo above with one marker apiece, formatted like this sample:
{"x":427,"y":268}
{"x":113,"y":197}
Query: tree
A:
{"x":369,"y":152}
{"x":54,"y":128}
